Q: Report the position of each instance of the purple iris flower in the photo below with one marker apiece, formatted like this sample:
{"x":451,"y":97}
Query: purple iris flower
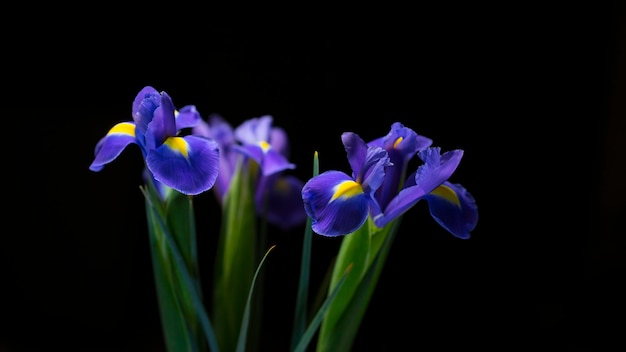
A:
{"x":254,"y":135}
{"x":188,"y":164}
{"x":337,"y":203}
{"x":277,"y":195}
{"x":450,"y":204}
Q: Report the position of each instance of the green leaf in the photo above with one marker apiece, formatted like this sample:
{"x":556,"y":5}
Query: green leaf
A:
{"x":176,"y":333}
{"x":366,"y":249}
{"x":181,"y":222}
{"x":303,"y":285}
{"x":182,"y":323}
{"x":306,"y":337}
{"x":243,"y":333}
{"x":236,"y":258}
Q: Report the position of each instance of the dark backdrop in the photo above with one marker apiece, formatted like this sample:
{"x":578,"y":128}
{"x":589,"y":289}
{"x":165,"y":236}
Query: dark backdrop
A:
{"x":534,"y":96}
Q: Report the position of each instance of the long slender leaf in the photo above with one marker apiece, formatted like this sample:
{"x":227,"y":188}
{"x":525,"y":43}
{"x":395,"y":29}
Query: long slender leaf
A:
{"x":354,"y":251}
{"x":181,"y":222}
{"x":235,"y":258}
{"x":243,"y":333}
{"x":303,"y":285}
{"x":306,"y":337}
{"x":175,"y":332}
{"x":158,"y":224}
{"x":341,"y":335}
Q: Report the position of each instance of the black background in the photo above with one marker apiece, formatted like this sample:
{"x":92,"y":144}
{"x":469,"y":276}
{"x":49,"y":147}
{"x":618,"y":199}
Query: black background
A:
{"x":534,"y":96}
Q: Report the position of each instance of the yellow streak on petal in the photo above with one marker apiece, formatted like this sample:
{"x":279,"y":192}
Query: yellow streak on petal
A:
{"x":395,"y":144}
{"x":126,"y":128}
{"x":264,"y":145}
{"x":447,"y":193}
{"x":346,"y":189}
{"x":178,"y":144}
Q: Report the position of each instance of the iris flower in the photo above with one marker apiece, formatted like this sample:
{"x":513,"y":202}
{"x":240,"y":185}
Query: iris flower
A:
{"x":188,"y":164}
{"x":254,"y":135}
{"x":339,"y":204}
{"x":277,"y":195}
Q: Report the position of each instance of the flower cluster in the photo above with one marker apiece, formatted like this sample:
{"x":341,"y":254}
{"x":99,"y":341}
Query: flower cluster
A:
{"x":247,"y":169}
{"x":339,"y":203}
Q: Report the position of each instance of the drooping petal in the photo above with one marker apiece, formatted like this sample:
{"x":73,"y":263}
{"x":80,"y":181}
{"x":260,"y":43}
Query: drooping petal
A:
{"x":335,"y":203}
{"x":279,"y":197}
{"x":269,"y":160}
{"x":188,"y":164}
{"x":435,"y":171}
{"x":274,"y":162}
{"x":401,"y":203}
{"x":187,"y":117}
{"x":112,"y":144}
{"x":454,"y":208}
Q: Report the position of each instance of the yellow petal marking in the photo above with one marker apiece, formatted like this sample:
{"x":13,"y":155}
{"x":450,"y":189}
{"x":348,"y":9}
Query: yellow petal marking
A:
{"x":446,"y":193}
{"x":178,"y":144}
{"x":126,"y":128}
{"x":346,"y":189}
{"x":395,"y":144}
{"x":265,"y":146}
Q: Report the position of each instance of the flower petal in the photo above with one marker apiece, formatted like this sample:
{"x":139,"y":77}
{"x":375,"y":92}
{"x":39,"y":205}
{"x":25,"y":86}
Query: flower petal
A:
{"x":254,"y":130}
{"x":269,"y":160}
{"x":163,"y":123}
{"x":188,"y":116}
{"x":373,"y":169}
{"x":336,"y":204}
{"x":279,"y":141}
{"x":112,"y":144}
{"x":188,"y":164}
{"x":454,"y":209}
{"x":357,"y":152}
{"x":146,"y":101}
{"x":283,"y":205}
{"x":411,"y":141}
{"x":436,"y":168}
{"x":435,"y":171}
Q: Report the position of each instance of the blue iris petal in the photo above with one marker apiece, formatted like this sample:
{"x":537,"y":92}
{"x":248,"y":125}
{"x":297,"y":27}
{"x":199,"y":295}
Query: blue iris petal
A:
{"x":437,"y":168}
{"x":435,"y":171}
{"x":283,"y":206}
{"x":187,"y":117}
{"x":279,"y":141}
{"x":112,"y":145}
{"x":254,"y":130}
{"x":146,"y":101}
{"x":331,"y":215}
{"x":163,"y":123}
{"x":373,"y":169}
{"x":191,"y":169}
{"x":356,"y":151}
{"x":269,"y":160}
{"x":454,"y":209}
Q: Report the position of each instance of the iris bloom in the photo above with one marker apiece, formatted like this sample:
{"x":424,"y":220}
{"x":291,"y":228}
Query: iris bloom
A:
{"x":188,"y":164}
{"x":339,"y":204}
{"x":277,"y":195}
